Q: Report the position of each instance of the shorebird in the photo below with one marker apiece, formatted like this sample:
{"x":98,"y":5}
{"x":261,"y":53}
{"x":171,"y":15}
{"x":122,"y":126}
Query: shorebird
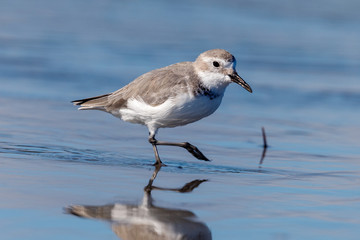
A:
{"x":172,"y":96}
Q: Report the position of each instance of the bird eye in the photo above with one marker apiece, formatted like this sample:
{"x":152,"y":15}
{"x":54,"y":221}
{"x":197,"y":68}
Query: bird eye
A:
{"x":216,"y":64}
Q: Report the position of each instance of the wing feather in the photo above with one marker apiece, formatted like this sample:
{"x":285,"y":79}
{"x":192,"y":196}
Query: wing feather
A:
{"x":154,"y":88}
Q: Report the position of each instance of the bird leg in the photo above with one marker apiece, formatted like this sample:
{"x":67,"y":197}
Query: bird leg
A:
{"x":157,"y":157}
{"x":191,"y":148}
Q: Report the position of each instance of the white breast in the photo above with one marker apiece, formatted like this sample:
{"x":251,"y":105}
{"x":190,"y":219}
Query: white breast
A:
{"x":181,"y":110}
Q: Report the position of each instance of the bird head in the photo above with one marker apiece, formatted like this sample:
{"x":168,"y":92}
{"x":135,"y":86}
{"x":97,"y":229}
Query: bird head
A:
{"x":216,"y":68}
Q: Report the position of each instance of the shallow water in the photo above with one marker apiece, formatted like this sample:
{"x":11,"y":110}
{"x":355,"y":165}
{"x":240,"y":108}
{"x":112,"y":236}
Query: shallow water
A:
{"x":301,"y":59}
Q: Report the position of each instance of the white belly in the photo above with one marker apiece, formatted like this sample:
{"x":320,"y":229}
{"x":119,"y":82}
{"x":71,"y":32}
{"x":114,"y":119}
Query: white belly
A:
{"x":174,"y":112}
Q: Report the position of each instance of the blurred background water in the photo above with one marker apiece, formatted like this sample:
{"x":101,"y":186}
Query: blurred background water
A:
{"x":302,"y":60}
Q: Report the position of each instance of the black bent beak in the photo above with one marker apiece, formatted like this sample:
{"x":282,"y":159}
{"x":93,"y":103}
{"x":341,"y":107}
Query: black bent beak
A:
{"x":237,"y":79}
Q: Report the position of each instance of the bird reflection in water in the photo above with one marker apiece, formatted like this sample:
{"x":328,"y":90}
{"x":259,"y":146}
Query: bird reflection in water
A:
{"x":147,"y":221}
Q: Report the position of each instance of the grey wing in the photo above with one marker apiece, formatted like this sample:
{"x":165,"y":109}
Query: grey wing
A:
{"x":153,"y":88}
{"x":157,"y":86}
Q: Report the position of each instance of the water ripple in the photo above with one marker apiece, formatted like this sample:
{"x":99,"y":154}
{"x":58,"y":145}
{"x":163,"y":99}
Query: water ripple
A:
{"x":90,"y":156}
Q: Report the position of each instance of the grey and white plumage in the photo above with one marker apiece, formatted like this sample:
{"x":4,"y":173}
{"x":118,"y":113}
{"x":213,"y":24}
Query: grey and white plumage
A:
{"x":172,"y":96}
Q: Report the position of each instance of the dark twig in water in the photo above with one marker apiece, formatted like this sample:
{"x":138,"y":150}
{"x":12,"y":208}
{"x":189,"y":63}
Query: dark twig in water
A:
{"x":265,"y":146}
{"x":264,"y":137}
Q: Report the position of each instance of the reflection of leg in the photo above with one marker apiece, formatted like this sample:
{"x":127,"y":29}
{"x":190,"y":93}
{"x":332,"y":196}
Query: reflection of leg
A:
{"x":191,"y":148}
{"x":149,"y":187}
{"x":188,"y":187}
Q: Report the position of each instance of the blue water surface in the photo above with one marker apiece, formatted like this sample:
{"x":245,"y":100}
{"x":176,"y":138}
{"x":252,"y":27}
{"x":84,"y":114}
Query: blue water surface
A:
{"x":302,"y":59}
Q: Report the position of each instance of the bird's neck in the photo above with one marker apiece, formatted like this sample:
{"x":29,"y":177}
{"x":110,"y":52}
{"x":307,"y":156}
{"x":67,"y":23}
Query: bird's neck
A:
{"x":203,"y":91}
{"x":213,"y":82}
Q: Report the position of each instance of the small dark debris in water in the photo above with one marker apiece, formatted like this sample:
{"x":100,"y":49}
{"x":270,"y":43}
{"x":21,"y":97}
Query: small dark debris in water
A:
{"x":180,"y":167}
{"x":265,"y":146}
{"x":264,"y":137}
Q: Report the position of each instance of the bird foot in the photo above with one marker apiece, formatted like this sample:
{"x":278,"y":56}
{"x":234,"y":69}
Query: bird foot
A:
{"x":195,"y":151}
{"x":159,"y":164}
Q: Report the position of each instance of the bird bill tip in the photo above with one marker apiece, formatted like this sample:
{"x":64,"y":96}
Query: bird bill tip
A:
{"x":238,"y":80}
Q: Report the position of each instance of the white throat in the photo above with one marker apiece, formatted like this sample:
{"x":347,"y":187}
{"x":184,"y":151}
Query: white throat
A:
{"x":216,"y":82}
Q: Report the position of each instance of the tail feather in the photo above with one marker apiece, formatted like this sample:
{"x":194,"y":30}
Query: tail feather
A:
{"x":97,"y":103}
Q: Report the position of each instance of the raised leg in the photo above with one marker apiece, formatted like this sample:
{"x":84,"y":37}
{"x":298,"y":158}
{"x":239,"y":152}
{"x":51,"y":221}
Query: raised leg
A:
{"x":191,"y":148}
